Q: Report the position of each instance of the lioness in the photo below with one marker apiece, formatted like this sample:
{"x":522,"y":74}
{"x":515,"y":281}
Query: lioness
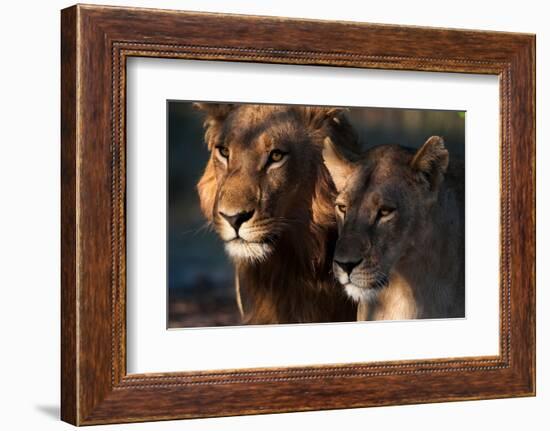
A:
{"x":400,"y":212}
{"x":269,"y":196}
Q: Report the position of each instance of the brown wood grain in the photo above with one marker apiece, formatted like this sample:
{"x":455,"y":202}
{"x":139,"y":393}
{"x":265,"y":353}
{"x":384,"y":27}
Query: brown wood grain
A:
{"x":96,"y":41}
{"x":68,"y":217}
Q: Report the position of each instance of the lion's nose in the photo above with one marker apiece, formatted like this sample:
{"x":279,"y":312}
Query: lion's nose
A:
{"x":348,"y":266}
{"x":236,"y":220}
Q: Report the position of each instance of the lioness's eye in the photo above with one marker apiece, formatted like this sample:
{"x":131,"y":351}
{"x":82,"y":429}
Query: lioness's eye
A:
{"x":385,"y":211}
{"x":276,"y":156}
{"x":341,"y":208}
{"x":224,"y":151}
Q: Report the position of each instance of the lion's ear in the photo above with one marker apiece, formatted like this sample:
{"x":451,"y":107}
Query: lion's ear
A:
{"x":216,"y":114}
{"x":319,"y":117}
{"x":431,"y":161}
{"x":216,"y":111}
{"x":333,"y":115}
{"x":339,"y":167}
{"x":333,"y":123}
{"x":207,"y":188}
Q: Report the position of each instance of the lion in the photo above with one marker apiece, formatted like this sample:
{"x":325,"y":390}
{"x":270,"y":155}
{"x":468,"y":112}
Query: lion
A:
{"x":400,"y":215}
{"x":269,"y":197}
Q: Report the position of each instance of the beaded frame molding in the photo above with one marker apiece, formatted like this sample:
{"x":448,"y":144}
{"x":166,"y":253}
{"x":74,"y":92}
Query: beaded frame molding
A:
{"x":95,"y":43}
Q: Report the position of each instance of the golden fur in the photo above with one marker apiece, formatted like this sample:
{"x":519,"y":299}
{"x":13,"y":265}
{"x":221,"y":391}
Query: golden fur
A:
{"x":269,"y":196}
{"x":400,"y":251}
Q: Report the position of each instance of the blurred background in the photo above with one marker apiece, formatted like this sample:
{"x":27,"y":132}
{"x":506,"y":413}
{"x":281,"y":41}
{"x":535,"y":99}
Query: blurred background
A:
{"x":200,"y":276}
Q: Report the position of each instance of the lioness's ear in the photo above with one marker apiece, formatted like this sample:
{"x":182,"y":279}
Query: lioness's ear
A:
{"x":216,"y":113}
{"x":431,"y":161}
{"x":338,"y":166}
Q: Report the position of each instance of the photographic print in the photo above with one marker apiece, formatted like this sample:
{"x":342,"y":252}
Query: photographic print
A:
{"x":246,"y":212}
{"x":285,"y":214}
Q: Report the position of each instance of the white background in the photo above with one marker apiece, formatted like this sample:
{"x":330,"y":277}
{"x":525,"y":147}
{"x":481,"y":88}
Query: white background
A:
{"x":29,"y":217}
{"x":151,"y":348}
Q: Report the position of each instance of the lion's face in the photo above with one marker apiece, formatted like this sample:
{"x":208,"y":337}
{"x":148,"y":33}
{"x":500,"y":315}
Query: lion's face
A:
{"x":383,"y":199}
{"x":260,"y":177}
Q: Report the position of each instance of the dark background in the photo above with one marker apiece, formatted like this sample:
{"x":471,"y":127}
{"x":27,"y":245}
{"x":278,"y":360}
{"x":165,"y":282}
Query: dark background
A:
{"x":200,"y":276}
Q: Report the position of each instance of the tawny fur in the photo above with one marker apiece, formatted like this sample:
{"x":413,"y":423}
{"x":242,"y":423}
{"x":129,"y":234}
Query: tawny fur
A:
{"x":288,"y":278}
{"x":412,"y":262}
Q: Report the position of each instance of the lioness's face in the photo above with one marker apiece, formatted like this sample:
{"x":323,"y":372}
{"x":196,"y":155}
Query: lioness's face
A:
{"x":260,"y":174}
{"x":374,"y":214}
{"x":381,"y":202}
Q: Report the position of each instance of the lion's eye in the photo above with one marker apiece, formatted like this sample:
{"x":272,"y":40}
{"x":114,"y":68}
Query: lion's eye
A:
{"x":223,"y":151}
{"x":385,"y":211}
{"x":341,"y":208}
{"x":276,"y":156}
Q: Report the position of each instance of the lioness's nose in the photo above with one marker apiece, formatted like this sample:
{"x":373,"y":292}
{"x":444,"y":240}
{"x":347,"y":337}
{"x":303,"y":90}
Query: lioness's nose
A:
{"x":348,"y":266}
{"x":236,"y":220}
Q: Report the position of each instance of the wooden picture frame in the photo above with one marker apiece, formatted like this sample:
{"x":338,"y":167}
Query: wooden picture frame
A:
{"x":95,"y":43}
